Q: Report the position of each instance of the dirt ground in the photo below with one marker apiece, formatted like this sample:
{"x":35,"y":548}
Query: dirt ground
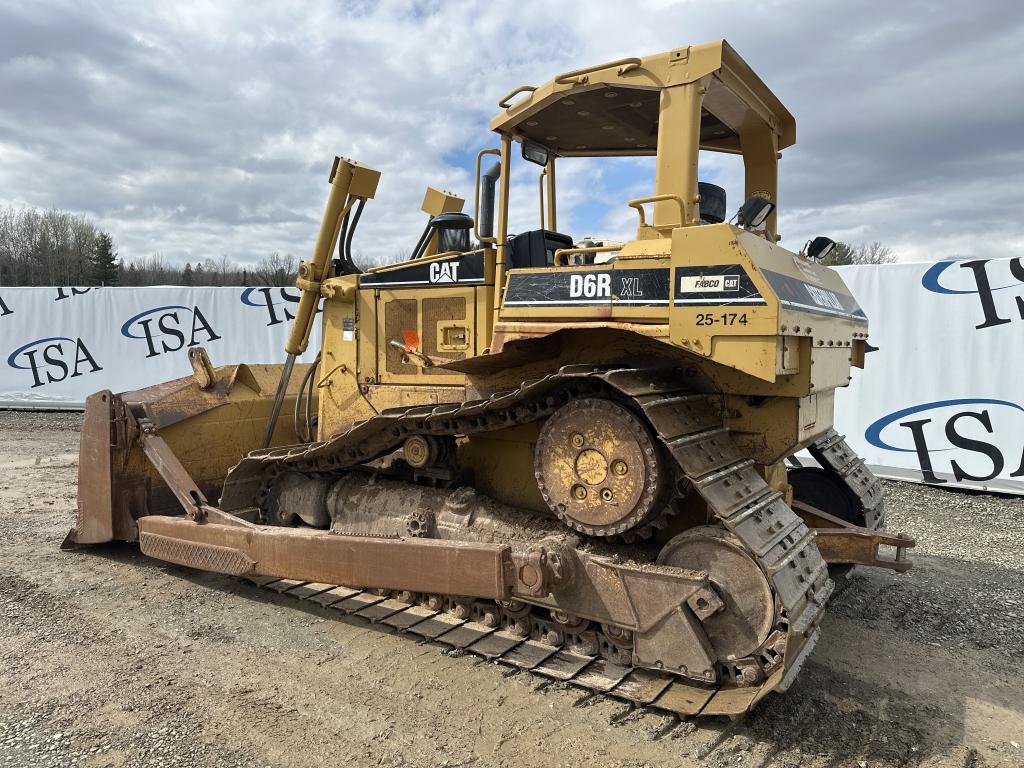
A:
{"x":108,"y":658}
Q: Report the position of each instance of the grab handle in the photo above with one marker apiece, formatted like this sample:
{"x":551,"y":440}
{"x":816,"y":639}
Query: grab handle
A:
{"x":639,"y":202}
{"x":506,"y":104}
{"x":580,"y":76}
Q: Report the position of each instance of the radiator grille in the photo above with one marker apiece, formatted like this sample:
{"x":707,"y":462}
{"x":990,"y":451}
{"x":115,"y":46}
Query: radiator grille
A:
{"x":399,"y":317}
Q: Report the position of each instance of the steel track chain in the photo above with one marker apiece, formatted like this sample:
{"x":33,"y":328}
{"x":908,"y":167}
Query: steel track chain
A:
{"x":248,"y":483}
{"x":834,"y":455}
{"x":690,"y":428}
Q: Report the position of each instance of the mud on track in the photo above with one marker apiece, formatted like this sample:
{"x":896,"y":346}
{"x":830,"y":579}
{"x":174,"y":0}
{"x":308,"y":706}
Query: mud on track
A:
{"x":110,"y":659}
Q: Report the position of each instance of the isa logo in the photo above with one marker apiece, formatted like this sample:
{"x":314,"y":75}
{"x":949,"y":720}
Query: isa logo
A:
{"x":275,"y":301}
{"x":67,"y":293}
{"x":53,"y":359}
{"x":984,"y":278}
{"x":971,"y":438}
{"x":168,"y":329}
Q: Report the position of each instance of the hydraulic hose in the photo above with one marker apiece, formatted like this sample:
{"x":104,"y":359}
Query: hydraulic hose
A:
{"x":350,"y":233}
{"x":303,"y":425}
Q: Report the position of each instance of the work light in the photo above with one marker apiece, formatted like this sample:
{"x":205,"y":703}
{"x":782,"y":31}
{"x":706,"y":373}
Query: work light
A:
{"x":754,"y":212}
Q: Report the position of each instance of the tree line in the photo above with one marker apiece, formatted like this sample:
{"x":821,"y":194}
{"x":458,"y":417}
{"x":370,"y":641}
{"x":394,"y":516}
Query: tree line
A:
{"x":57,"y":248}
{"x":274,"y":269}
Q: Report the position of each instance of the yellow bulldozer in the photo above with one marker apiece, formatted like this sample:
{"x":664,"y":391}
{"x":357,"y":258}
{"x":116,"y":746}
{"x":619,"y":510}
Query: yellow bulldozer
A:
{"x":570,"y":458}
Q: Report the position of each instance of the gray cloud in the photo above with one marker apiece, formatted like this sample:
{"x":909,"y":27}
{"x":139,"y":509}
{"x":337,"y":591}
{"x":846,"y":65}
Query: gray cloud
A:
{"x":196,"y":130}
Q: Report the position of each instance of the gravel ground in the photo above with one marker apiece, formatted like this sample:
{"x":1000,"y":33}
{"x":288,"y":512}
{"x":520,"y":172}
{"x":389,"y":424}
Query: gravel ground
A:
{"x":108,"y":658}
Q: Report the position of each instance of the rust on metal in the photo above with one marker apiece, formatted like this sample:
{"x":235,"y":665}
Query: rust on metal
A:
{"x":843,"y":543}
{"x":419,"y":565}
{"x":598,"y":469}
{"x":860,"y":547}
{"x":654,"y":617}
{"x":192,"y":554}
{"x":94,"y":522}
{"x":202,"y":368}
{"x":192,"y":499}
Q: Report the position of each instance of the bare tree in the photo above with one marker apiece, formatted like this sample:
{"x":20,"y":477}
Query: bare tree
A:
{"x":44,"y":247}
{"x":274,"y":269}
{"x":871,"y":253}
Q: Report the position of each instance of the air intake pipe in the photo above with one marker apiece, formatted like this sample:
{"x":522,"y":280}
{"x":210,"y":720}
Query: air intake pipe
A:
{"x":488,"y":182}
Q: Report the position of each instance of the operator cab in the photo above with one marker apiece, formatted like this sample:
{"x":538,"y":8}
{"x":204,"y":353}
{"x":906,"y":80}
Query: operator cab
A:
{"x":671,"y":107}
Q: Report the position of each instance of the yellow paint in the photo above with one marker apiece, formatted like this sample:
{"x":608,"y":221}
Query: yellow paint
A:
{"x":700,"y":97}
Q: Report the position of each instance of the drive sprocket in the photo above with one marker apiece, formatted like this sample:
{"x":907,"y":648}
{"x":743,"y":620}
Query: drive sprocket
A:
{"x":599,"y":468}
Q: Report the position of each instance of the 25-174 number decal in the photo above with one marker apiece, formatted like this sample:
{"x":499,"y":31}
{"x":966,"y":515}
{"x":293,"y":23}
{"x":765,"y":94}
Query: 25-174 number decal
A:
{"x":723,"y":318}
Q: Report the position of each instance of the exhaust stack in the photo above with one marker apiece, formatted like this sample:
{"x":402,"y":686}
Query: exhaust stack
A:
{"x":488,"y":184}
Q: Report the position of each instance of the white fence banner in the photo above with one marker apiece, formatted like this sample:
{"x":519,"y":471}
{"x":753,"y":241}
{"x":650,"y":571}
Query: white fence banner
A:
{"x":941,"y":399}
{"x":59,"y":345}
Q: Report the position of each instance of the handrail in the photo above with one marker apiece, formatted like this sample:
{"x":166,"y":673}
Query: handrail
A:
{"x":639,"y":202}
{"x":579,"y":76}
{"x":506,"y":104}
{"x":476,"y":219}
{"x":592,"y":249}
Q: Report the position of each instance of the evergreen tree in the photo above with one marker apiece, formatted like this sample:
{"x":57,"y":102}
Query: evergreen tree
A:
{"x":103,"y":266}
{"x":186,"y":274}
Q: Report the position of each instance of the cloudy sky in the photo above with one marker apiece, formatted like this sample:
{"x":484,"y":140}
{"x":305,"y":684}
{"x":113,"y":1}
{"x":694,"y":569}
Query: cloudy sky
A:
{"x":201,"y":129}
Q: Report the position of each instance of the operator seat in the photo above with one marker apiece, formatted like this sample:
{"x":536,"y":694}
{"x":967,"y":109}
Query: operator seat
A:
{"x":452,"y":231}
{"x":535,"y":248}
{"x":712,"y":202}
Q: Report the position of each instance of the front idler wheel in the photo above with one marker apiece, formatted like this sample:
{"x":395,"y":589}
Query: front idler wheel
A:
{"x":739,"y":627}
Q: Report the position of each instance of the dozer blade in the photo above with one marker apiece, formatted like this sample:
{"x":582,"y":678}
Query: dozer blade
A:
{"x":210,"y":422}
{"x":94,"y":523}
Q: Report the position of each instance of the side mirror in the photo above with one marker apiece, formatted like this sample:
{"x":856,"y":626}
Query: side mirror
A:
{"x":754,"y":212}
{"x":535,"y":153}
{"x":820,"y":247}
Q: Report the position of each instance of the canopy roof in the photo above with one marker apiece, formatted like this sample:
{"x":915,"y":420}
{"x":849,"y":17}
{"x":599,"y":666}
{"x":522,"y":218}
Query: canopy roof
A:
{"x":613,"y":108}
